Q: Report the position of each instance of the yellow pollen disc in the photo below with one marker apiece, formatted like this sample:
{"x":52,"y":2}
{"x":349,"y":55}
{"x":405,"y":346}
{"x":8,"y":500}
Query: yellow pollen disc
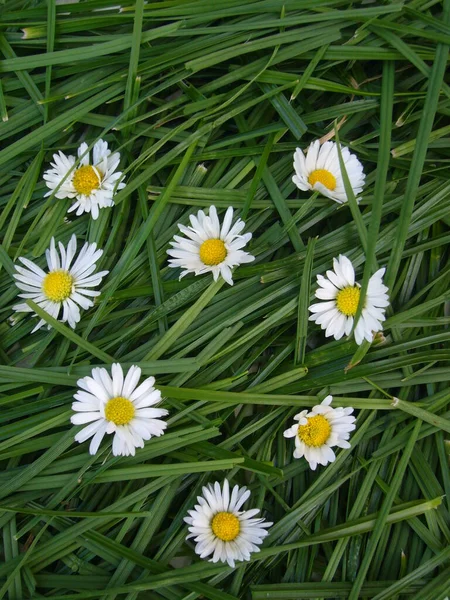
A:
{"x":86,"y":179}
{"x":213,"y":252}
{"x":347,"y":301}
{"x":225,"y":526}
{"x":324,"y":177}
{"x":316,"y":431}
{"x":57,"y":285}
{"x":119,"y":410}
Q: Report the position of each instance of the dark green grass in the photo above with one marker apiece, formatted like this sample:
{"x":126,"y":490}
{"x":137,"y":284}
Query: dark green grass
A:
{"x":207,"y":101}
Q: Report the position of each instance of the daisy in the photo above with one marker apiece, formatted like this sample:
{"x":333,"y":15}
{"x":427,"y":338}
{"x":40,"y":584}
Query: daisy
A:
{"x":220,"y":528}
{"x":320,"y":171}
{"x":65,"y":286}
{"x":93,"y":185}
{"x":116,"y":405}
{"x":341,"y":295}
{"x":319,"y":430}
{"x":210,"y":247}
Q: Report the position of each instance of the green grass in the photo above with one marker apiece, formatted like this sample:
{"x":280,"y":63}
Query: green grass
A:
{"x":207,"y":101}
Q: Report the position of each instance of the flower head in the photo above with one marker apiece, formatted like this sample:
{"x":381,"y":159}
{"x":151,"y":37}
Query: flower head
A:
{"x":210,"y":247}
{"x":220,"y":528}
{"x":93,"y":183}
{"x":316,"y":432}
{"x":65,"y":286}
{"x":116,"y":405}
{"x":341,"y":297}
{"x":320,"y":171}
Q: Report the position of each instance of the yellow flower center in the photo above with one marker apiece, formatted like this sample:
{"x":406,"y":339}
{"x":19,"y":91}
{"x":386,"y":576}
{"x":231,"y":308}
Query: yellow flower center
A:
{"x":86,"y":179}
{"x":225,"y":526}
{"x":316,"y":431}
{"x":212,"y":252}
{"x":324,"y":177}
{"x":347,"y":301}
{"x":57,"y":285}
{"x":119,"y":410}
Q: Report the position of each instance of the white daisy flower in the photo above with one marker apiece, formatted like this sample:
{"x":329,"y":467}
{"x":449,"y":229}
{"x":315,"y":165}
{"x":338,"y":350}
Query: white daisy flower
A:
{"x":320,"y":171}
{"x":341,"y":297}
{"x":316,"y":432}
{"x":92,"y":184}
{"x":65,"y":286}
{"x":220,"y":528}
{"x":210,"y":247}
{"x":116,"y":405}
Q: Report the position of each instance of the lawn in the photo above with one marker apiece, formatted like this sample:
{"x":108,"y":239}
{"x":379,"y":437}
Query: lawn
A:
{"x":207,"y":101}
